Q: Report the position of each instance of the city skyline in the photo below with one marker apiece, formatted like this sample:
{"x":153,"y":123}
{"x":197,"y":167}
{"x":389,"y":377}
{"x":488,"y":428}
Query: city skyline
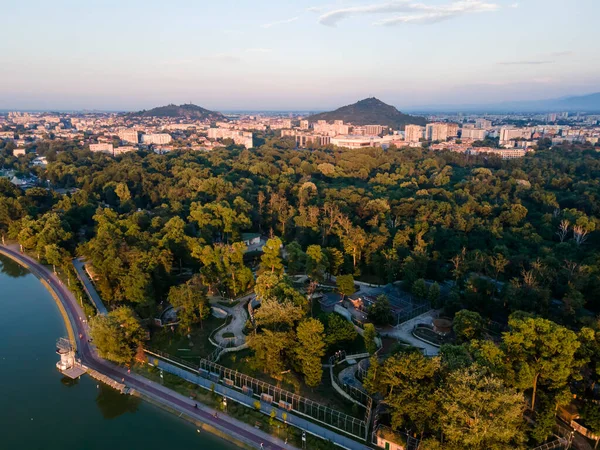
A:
{"x":309,"y":55}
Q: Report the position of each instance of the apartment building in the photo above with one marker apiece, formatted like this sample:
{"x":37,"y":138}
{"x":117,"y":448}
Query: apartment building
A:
{"x":156,"y":138}
{"x":129,"y":135}
{"x":414,"y":133}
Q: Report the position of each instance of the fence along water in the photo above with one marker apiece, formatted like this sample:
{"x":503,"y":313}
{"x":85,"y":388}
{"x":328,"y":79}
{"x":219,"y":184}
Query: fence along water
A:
{"x":267,"y":393}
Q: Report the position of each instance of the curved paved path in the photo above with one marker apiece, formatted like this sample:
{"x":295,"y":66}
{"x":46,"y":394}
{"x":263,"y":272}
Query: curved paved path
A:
{"x":239,"y":315}
{"x":87,"y":353}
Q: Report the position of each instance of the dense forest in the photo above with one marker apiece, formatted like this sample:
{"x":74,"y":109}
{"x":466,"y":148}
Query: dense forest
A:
{"x":517,"y":243}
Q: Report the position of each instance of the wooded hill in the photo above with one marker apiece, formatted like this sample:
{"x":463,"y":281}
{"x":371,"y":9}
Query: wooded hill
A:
{"x":370,"y":111}
{"x":187,"y":111}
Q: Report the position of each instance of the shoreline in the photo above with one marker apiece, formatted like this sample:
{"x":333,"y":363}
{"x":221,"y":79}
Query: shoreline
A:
{"x":61,"y":307}
{"x":226,"y":434}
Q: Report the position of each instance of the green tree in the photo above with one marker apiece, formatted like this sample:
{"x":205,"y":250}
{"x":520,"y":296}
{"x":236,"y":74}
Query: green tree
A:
{"x":316,"y":263}
{"x":407,"y":382}
{"x":339,"y":330}
{"x":191,"y":303}
{"x":117,"y":334}
{"x":345,"y":285}
{"x":419,"y":289}
{"x":335,"y":259}
{"x":270,"y":260}
{"x":296,"y":258}
{"x":468,"y":325}
{"x":590,"y":413}
{"x":541,"y":352}
{"x":310,"y":350}
{"x":455,"y":356}
{"x":270,"y":351}
{"x":480,"y":412}
{"x":380,"y":312}
{"x":55,"y":255}
{"x":123,"y":193}
{"x":433,"y":296}
{"x":369,"y":336}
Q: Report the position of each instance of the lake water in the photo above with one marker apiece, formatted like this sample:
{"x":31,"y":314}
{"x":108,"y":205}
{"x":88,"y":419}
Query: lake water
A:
{"x":41,"y":409}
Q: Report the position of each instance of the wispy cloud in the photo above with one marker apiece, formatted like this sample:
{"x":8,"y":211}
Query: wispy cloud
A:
{"x":279,"y":22}
{"x":525,"y":63}
{"x":331,"y":18}
{"x":514,"y":5}
{"x":315,"y":9}
{"x":540,"y":59}
{"x":415,"y":13}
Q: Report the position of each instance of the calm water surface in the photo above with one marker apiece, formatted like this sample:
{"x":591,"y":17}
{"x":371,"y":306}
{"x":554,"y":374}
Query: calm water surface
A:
{"x":40,"y":409}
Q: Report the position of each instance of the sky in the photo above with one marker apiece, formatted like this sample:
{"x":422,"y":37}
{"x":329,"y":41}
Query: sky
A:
{"x":294,"y":54}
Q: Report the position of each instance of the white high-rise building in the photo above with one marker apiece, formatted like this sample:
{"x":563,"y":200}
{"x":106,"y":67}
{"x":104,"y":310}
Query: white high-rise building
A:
{"x":483,"y":124}
{"x":129,"y":135}
{"x":436,"y":132}
{"x":414,"y":133}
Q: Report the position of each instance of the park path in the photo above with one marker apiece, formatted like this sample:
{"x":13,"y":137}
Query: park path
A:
{"x":239,"y":316}
{"x":88,"y":285}
{"x":87,"y":353}
{"x":404,"y":333}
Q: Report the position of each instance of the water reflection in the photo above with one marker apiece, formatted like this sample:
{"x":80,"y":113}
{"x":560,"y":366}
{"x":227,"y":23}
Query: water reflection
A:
{"x":69,"y":382}
{"x":11,"y":268}
{"x":113,"y":404}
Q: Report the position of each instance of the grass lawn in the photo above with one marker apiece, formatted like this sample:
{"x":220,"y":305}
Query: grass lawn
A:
{"x":177,"y":344}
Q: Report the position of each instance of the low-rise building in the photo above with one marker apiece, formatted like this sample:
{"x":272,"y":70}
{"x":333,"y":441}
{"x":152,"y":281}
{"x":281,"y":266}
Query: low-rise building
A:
{"x":103,"y":147}
{"x":504,"y":153}
{"x":244,"y":138}
{"x":352,"y":141}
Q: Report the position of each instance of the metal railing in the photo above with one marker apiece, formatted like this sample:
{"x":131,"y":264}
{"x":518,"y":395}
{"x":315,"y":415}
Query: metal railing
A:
{"x":276,"y":396}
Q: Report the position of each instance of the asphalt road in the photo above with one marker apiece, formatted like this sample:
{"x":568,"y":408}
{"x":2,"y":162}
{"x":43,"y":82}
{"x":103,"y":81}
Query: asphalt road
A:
{"x":91,"y":359}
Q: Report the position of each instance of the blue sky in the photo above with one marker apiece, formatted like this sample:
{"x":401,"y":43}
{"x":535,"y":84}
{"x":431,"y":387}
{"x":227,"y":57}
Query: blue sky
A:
{"x":284,"y":54}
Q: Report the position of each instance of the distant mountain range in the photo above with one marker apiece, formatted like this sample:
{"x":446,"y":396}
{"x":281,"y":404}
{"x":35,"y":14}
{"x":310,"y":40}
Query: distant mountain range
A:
{"x":589,"y":103}
{"x":370,"y":111}
{"x":187,"y":111}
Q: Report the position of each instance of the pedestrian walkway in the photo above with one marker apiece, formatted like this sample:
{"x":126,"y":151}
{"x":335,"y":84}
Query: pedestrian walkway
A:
{"x":404,"y":333}
{"x":239,"y":317}
{"x":291,"y":417}
{"x":88,"y":286}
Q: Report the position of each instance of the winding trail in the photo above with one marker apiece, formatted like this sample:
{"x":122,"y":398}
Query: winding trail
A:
{"x":232,"y":427}
{"x":239,"y":316}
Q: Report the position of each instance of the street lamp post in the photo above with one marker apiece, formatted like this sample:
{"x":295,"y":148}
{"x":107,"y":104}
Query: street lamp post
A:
{"x":225,"y":404}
